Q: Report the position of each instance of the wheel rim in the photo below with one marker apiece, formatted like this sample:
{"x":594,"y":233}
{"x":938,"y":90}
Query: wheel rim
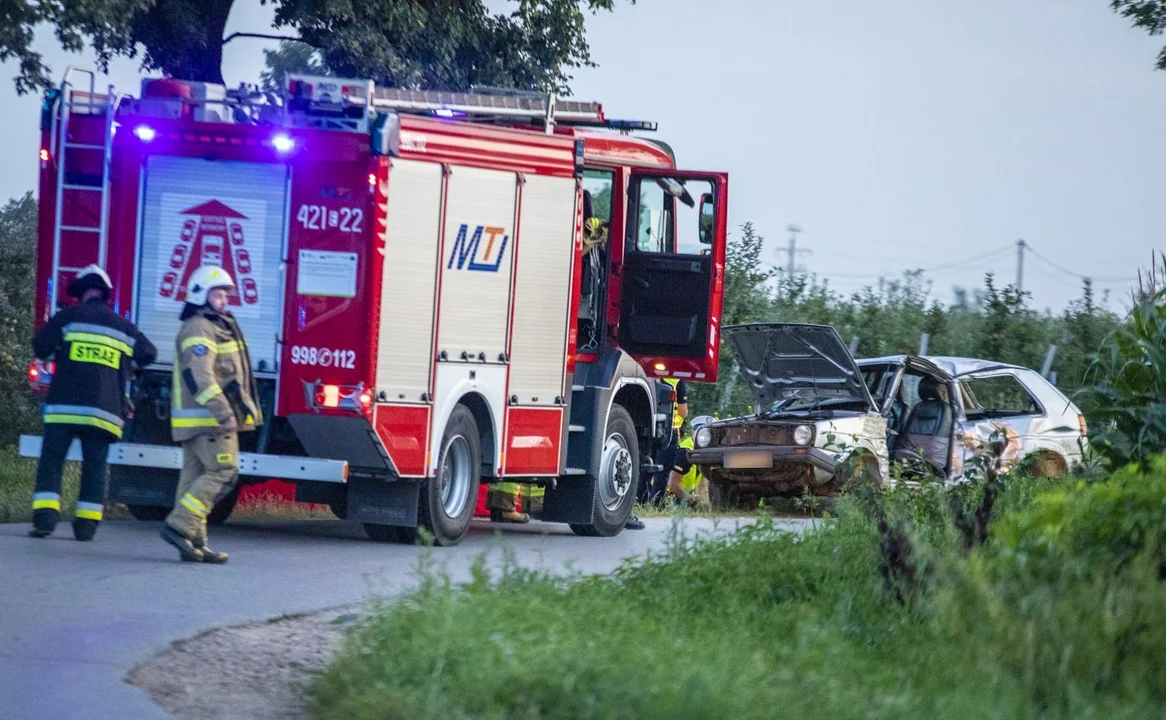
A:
{"x":615,"y":471}
{"x":455,"y":476}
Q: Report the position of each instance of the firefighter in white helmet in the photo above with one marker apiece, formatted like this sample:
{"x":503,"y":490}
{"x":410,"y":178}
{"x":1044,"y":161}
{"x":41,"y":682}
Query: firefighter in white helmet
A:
{"x":94,"y":350}
{"x":213,"y":400}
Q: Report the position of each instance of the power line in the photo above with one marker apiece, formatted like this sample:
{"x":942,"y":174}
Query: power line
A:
{"x":944,"y":266}
{"x":1079,"y":276}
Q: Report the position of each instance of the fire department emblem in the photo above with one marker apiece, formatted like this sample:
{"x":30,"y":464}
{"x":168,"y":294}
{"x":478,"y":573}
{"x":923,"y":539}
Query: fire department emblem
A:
{"x":212,"y":234}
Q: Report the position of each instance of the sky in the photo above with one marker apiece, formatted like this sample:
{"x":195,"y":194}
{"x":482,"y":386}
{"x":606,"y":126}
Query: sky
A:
{"x":897,"y":134}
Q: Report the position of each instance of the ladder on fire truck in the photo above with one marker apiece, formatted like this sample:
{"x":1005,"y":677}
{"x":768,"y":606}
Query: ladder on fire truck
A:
{"x":318,"y":100}
{"x":501,"y":103}
{"x":69,"y":179}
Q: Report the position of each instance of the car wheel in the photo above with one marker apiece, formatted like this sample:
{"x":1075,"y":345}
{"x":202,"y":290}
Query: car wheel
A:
{"x":718,"y":494}
{"x":615,"y":483}
{"x":1048,"y":465}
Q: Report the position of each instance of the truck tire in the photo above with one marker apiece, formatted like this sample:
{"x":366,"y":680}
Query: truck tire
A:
{"x":223,"y":508}
{"x":446,"y":504}
{"x":158,"y":513}
{"x":615,"y":483}
{"x":148,"y":513}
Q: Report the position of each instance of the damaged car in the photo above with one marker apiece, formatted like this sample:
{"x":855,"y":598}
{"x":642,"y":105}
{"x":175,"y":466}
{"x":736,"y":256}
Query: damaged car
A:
{"x":818,"y":411}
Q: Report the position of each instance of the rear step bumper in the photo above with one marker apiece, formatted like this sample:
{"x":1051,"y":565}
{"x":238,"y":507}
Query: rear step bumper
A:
{"x":166,"y":457}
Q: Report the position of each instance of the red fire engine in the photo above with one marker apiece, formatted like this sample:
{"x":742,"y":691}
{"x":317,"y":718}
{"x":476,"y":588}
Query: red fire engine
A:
{"x":424,"y":307}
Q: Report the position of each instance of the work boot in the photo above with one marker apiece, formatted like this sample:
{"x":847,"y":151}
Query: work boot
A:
{"x":84,"y":529}
{"x":634,"y":523}
{"x":515,"y":518}
{"x":44,"y":521}
{"x":208,"y":555}
{"x":186,"y":549}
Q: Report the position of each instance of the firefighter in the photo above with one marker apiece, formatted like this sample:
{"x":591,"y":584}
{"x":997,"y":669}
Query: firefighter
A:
{"x":94,"y":349}
{"x":213,"y":400}
{"x":674,"y":458}
{"x":690,"y":485}
{"x":502,"y":500}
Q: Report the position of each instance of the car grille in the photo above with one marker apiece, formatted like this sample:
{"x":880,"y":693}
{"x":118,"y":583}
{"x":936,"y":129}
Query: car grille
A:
{"x":754,"y":435}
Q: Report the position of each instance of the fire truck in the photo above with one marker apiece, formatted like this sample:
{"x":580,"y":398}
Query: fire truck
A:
{"x":438,"y":289}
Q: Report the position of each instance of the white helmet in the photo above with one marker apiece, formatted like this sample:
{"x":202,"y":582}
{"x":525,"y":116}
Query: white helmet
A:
{"x":205,"y":279}
{"x":90,"y":277}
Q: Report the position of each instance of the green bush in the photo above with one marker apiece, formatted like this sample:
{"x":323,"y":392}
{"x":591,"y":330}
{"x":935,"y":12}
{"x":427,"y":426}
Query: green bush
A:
{"x":1053,"y":617}
{"x":18,"y":410}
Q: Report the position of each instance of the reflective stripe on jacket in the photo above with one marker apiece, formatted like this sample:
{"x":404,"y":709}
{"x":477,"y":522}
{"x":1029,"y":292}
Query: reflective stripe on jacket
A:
{"x":95,"y":350}
{"x":212,"y":378}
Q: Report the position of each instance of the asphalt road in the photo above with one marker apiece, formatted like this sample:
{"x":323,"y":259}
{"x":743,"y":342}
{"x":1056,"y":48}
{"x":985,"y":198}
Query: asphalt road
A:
{"x":75,"y":618}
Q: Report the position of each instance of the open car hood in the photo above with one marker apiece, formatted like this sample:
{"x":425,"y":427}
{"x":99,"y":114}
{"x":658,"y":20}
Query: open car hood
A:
{"x":800,"y":366}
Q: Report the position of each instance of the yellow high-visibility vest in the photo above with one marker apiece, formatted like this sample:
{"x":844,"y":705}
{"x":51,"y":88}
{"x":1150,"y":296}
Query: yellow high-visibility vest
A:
{"x":690,"y":479}
{"x":677,"y":420}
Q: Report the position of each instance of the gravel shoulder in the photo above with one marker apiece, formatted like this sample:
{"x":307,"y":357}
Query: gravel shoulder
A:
{"x":255,"y":671}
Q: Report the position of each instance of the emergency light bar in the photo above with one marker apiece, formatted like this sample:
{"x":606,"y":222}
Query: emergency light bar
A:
{"x":511,"y":105}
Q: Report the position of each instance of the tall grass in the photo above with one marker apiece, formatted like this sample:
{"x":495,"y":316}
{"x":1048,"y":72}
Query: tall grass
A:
{"x":763,"y":623}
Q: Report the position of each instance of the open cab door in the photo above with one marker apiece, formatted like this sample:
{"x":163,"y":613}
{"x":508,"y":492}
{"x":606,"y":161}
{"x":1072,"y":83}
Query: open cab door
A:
{"x":674,"y":272}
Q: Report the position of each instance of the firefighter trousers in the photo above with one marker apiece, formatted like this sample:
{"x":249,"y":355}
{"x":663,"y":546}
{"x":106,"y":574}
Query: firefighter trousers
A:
{"x":46,"y":499}
{"x":210,"y":466}
{"x":504,"y":496}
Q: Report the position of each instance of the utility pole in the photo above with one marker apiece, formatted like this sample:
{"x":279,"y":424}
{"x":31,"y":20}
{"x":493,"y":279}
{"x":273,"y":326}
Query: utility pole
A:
{"x":793,"y":251}
{"x":1020,"y":246}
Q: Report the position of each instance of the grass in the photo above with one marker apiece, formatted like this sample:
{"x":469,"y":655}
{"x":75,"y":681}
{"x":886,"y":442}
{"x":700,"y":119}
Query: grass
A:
{"x":762,"y":623}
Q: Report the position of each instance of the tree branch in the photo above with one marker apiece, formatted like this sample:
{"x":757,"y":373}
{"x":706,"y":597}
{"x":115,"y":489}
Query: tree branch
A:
{"x":264,"y":36}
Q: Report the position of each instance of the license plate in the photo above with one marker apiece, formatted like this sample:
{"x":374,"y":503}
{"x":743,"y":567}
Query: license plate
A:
{"x":748,"y":459}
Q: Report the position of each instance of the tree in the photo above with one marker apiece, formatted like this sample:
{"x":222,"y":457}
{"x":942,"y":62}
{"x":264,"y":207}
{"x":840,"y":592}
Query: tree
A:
{"x":443,"y":44}
{"x":17,"y":264}
{"x":290,"y":58}
{"x":747,"y":299}
{"x":1150,"y":15}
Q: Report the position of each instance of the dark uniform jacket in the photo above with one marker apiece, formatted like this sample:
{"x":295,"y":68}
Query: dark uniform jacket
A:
{"x":93,"y":348}
{"x":212,"y":378}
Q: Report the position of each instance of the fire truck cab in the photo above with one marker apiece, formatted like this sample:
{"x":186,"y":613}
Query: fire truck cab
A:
{"x":437,"y":289}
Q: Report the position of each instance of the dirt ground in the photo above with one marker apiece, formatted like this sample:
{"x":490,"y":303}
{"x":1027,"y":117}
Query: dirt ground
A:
{"x":247,"y":672}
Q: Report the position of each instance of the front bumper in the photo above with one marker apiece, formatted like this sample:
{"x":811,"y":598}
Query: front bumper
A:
{"x":727,"y":457}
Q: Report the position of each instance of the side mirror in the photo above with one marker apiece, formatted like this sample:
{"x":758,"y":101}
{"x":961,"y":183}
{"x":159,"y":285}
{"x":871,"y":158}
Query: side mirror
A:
{"x":707,"y":213}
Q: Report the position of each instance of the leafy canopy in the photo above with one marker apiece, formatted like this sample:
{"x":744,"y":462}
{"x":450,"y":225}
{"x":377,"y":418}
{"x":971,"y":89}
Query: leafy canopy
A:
{"x":439,"y":44}
{"x":1149,"y":15}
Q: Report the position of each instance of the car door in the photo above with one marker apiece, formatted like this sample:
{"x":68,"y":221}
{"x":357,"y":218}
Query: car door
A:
{"x":998,"y":400}
{"x":673,"y":272}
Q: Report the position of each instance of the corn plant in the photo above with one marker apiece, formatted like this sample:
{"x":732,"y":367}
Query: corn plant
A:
{"x":1126,"y":390}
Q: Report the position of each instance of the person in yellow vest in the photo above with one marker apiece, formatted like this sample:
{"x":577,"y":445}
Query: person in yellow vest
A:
{"x":673,"y":457}
{"x":213,"y":400}
{"x":502,"y":500}
{"x":692,"y":482}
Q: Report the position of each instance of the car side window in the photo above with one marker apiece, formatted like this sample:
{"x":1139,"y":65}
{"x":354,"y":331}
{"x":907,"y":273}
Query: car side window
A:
{"x":999,"y":396}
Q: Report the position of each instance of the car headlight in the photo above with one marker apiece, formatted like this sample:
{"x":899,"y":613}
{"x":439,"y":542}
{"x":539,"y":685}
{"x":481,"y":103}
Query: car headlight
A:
{"x":803,"y":434}
{"x":704,"y":437}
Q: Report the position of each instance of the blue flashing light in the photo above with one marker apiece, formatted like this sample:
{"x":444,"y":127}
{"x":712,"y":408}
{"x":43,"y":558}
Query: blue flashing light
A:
{"x":282,"y":142}
{"x":145,"y":133}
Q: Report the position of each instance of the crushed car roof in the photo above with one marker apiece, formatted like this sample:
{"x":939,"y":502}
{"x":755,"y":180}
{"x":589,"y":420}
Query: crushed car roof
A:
{"x":955,"y":366}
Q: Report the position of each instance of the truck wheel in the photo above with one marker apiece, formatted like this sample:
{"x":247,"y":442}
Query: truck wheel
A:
{"x":148,"y":513}
{"x":223,"y":508}
{"x":446,"y":505}
{"x":615,"y":484}
{"x":391,"y":533}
